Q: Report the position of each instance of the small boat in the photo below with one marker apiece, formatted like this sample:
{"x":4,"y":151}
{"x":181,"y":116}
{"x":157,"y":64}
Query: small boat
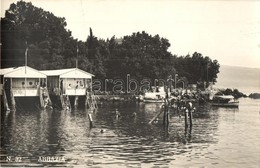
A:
{"x":155,"y":97}
{"x":153,"y":100}
{"x":225,"y":101}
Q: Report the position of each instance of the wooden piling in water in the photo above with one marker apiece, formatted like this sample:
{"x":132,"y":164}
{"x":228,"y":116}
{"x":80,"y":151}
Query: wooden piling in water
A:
{"x":47,"y":95}
{"x":86,"y":100}
{"x":166,"y":118}
{"x":191,"y":117}
{"x":13,"y":103}
{"x":41,"y":98}
{"x":76,"y":101}
{"x":5,"y":101}
{"x":63,"y":105}
{"x":90,"y":120}
{"x":68,"y":102}
{"x":91,"y":101}
{"x":165,"y":112}
{"x":186,"y":117}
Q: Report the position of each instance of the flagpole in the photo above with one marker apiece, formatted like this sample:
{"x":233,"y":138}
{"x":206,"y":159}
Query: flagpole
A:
{"x":77,"y":56}
{"x":26,"y":52}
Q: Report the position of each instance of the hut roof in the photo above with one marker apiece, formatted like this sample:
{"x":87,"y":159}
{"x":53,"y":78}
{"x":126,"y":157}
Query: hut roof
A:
{"x":68,"y":73}
{"x":22,"y":72}
{"x":6,"y":70}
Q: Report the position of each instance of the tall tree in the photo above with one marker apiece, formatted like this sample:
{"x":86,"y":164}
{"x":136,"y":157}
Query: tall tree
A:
{"x":44,"y":33}
{"x":142,"y":56}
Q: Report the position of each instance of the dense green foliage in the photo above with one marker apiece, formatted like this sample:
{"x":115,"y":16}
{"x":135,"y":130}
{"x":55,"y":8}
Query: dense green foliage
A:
{"x":142,"y":56}
{"x":234,"y":92}
{"x":51,"y":46}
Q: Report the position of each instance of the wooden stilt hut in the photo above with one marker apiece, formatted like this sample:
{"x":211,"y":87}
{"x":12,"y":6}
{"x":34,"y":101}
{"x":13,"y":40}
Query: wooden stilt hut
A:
{"x":21,"y":82}
{"x":68,"y":86}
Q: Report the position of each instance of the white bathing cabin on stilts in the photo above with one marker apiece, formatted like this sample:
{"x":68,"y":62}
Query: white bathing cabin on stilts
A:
{"x":69,"y":87}
{"x":22,"y":83}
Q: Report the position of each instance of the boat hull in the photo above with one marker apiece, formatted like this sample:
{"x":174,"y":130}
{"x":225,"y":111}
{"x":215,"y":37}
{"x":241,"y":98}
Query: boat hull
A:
{"x":153,"y":101}
{"x":231,"y":105}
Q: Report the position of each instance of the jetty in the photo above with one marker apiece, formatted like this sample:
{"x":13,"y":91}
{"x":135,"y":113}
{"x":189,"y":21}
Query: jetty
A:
{"x":70,"y":88}
{"x":22,"y":83}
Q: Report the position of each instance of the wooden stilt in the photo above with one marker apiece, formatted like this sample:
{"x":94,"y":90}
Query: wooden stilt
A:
{"x":90,"y":120}
{"x":63,"y":105}
{"x":41,"y":98}
{"x":186,"y":117}
{"x":165,"y":112}
{"x":46,"y":93}
{"x":191,"y":117}
{"x":95,"y":101}
{"x":13,"y":104}
{"x":91,"y":101}
{"x":190,"y":132}
{"x":167,"y":119}
{"x":68,"y":101}
{"x":65,"y":102}
{"x":168,"y":113}
{"x":86,"y":100}
{"x":76,"y":101}
{"x":186,"y":129}
{"x":5,"y":101}
{"x":164,"y":116}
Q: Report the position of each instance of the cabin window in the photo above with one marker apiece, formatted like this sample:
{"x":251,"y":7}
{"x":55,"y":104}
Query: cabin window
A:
{"x":30,"y":83}
{"x":22,"y":83}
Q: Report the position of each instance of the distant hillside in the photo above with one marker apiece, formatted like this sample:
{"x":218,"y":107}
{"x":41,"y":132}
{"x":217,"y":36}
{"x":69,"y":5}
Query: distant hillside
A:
{"x":246,"y":80}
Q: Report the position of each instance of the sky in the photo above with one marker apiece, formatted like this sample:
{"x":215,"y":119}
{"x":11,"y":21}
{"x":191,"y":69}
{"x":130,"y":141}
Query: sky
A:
{"x":225,"y":30}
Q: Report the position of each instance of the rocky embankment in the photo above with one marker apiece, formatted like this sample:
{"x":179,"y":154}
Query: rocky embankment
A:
{"x":254,"y":95}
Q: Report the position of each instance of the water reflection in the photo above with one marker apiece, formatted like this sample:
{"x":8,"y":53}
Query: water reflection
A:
{"x":121,"y":140}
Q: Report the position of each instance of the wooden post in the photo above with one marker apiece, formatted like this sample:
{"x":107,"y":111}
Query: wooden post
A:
{"x":164,"y":114}
{"x":190,"y":112}
{"x":90,"y":120}
{"x":86,"y":100}
{"x":13,"y":104}
{"x":48,"y":96}
{"x":41,"y":98}
{"x":62,"y":101}
{"x":65,"y":100}
{"x":76,"y":101}
{"x":167,"y":118}
{"x":68,"y":101}
{"x":190,"y":115}
{"x":186,"y":117}
{"x":40,"y":95}
{"x":59,"y":91}
{"x":186,"y":128}
{"x":95,"y":101}
{"x":6,"y":106}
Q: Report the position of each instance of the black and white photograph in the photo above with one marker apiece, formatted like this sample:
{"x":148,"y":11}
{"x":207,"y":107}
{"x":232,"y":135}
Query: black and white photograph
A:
{"x":130,"y":83}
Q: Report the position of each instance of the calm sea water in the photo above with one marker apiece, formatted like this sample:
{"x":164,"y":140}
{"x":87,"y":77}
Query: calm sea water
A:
{"x":220,"y":137}
{"x":246,"y":80}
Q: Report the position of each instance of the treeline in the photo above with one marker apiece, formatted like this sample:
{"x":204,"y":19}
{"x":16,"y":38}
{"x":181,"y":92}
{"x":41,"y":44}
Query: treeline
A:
{"x":51,"y":46}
